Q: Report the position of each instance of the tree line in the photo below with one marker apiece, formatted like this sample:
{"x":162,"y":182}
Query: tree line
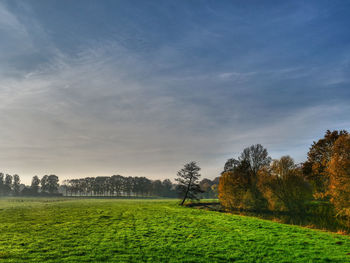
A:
{"x":255,"y":182}
{"x":116,"y":185}
{"x":10,"y":185}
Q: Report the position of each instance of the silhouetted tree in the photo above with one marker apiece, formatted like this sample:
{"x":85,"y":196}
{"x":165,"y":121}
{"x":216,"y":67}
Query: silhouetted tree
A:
{"x":188,"y":178}
{"x":118,"y":185}
{"x":44,"y":184}
{"x":2,"y":184}
{"x":230,"y":165}
{"x":257,"y":157}
{"x":167,"y":189}
{"x":34,"y":187}
{"x":16,"y":184}
{"x":8,"y":184}
{"x":157,"y":187}
{"x":52,"y":183}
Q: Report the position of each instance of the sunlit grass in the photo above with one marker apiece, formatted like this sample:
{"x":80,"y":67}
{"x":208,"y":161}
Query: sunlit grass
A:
{"x":87,"y":230}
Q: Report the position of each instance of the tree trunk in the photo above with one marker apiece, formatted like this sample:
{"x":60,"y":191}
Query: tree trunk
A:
{"x":188,"y":188}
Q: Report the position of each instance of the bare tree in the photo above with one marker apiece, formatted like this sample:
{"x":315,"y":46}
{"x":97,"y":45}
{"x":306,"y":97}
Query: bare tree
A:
{"x":256,"y":156}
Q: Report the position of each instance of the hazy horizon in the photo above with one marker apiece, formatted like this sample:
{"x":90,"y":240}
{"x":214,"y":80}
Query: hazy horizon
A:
{"x":139,"y":88}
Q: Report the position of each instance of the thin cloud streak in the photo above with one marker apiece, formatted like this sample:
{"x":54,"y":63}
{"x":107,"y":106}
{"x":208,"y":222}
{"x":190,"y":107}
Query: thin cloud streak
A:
{"x":144,"y":111}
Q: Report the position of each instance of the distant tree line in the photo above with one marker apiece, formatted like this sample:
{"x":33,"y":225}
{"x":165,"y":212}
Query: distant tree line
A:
{"x":116,"y":185}
{"x":255,"y":182}
{"x":10,"y":185}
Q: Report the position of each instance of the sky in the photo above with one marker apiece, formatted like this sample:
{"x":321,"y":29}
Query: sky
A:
{"x":139,"y":88}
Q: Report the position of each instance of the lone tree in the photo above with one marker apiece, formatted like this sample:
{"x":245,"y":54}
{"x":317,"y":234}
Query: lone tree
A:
{"x":188,"y":179}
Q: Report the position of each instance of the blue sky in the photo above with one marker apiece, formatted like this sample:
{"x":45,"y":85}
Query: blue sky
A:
{"x":139,"y":88}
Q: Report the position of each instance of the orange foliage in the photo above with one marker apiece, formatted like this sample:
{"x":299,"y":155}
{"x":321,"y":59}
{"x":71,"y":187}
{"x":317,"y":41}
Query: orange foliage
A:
{"x":231,"y":189}
{"x":319,"y":155}
{"x":339,"y":170}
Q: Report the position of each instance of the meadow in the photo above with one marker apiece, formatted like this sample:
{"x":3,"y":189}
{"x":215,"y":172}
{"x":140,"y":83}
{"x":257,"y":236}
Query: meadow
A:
{"x":112,"y":230}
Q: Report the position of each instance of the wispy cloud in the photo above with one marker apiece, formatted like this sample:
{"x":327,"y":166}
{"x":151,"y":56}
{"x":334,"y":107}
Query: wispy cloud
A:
{"x":138,"y":101}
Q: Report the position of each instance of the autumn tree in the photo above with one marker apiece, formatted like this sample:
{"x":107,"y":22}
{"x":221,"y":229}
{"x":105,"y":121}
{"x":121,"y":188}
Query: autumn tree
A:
{"x":339,"y":171}
{"x":230,"y":165}
{"x":238,"y":186}
{"x":256,"y":157}
{"x":233,"y":186}
{"x":188,"y":179}
{"x":284,"y":186}
{"x":319,"y":155}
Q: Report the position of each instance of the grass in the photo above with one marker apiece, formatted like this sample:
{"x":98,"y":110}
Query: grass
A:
{"x":87,"y":230}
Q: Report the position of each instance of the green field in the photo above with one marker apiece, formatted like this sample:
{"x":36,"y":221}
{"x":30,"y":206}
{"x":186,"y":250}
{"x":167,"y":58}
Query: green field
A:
{"x":90,"y":230}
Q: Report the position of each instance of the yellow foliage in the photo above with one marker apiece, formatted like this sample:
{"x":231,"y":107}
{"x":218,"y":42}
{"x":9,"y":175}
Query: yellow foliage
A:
{"x":339,"y":170}
{"x":231,"y":190}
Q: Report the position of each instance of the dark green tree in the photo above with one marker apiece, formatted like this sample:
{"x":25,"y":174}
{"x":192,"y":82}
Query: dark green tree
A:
{"x":2,"y":184}
{"x":167,"y":188}
{"x":8,"y":184}
{"x":15,"y":184}
{"x":44,"y":184}
{"x":52,"y":183}
{"x":34,"y":187}
{"x":188,"y":179}
{"x":255,"y":157}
